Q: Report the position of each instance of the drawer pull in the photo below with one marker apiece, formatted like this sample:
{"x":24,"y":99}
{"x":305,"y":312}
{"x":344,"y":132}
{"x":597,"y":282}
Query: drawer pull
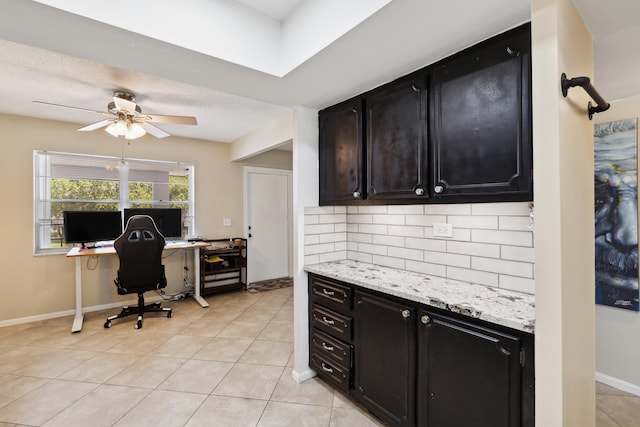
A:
{"x":327,"y":347}
{"x":328,"y":292}
{"x":328,"y":321}
{"x":326,"y":368}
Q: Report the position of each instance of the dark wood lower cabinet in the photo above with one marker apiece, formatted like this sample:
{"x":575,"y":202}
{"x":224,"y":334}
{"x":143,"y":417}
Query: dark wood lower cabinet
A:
{"x":384,"y":344}
{"x":415,"y":365}
{"x":468,"y":375}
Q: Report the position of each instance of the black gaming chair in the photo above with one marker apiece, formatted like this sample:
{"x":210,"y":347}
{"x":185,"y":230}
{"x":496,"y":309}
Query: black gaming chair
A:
{"x":140,"y":251}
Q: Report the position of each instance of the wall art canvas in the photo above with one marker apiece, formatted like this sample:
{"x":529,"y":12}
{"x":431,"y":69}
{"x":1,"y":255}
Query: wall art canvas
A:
{"x":616,"y":213}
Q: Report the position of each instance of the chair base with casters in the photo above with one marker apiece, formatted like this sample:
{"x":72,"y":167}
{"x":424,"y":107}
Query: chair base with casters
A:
{"x":139,"y":310}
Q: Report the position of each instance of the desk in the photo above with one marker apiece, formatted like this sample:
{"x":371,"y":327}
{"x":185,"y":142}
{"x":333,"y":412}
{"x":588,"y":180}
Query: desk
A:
{"x":79,"y":253}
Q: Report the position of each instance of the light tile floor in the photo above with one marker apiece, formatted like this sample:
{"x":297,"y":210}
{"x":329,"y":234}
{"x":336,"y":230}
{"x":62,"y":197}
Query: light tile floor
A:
{"x":227,"y":365}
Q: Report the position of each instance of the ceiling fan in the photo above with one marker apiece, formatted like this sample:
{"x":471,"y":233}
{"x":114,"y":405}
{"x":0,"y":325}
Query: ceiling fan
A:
{"x":126,"y":118}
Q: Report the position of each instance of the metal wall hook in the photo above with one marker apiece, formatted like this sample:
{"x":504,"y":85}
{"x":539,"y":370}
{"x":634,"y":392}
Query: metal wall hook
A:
{"x":585,"y":83}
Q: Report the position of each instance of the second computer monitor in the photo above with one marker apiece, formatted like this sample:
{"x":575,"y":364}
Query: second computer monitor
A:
{"x":168,"y":220}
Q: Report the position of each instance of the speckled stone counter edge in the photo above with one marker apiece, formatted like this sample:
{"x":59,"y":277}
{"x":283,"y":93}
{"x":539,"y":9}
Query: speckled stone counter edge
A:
{"x":503,"y":307}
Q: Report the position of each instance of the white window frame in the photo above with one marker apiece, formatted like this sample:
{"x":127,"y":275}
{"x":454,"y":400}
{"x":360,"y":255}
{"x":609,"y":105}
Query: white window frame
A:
{"x":42,"y":175}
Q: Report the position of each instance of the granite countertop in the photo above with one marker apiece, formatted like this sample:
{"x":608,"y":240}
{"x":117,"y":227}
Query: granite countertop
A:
{"x":500,"y":306}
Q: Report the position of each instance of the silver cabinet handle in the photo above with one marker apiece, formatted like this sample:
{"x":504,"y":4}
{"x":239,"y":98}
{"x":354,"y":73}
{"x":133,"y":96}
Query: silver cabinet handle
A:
{"x":406,"y":314}
{"x":356,"y":194}
{"x":327,"y":320}
{"x":326,"y":368}
{"x":327,"y":347}
{"x":425,"y":319}
{"x":419,"y":191}
{"x":438,"y":188}
{"x":328,"y":292}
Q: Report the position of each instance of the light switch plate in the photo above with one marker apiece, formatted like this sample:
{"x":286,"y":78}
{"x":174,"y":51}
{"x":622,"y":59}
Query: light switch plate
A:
{"x":226,"y":222}
{"x":442,"y":230}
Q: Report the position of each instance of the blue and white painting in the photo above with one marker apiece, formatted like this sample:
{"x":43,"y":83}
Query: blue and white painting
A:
{"x":616,"y":213}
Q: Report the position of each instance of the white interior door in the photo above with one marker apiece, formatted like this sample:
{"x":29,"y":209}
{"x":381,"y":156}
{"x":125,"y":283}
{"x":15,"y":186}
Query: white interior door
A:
{"x":267,"y":224}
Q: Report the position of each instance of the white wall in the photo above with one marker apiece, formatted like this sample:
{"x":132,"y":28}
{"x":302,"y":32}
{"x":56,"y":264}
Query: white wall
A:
{"x":618,"y":330}
{"x":563,"y":194}
{"x":42,"y":285}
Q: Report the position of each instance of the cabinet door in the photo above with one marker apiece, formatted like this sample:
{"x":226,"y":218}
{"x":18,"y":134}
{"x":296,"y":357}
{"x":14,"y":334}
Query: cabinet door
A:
{"x":467,"y":375}
{"x":341,"y":153}
{"x":396,"y":123}
{"x":384,"y":362}
{"x":481,"y":121}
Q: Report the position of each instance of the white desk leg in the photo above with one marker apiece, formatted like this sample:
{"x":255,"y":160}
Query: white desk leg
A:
{"x":196,"y":285}
{"x":77,"y":321}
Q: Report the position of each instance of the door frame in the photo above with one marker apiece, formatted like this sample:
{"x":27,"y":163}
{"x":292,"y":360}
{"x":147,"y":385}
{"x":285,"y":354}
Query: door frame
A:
{"x":269,"y":171}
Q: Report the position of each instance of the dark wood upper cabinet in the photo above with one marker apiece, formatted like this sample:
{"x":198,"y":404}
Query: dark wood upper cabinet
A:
{"x":481,"y":121}
{"x":341,"y":153}
{"x":456,"y":131}
{"x":396,"y":135}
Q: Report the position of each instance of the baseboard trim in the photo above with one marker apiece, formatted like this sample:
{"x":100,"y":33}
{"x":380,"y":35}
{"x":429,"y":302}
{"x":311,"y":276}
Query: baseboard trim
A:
{"x":618,"y":383}
{"x":301,"y":376}
{"x":55,"y":315}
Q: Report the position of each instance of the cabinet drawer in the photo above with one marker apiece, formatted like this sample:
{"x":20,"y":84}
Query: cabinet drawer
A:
{"x":331,"y":322}
{"x":332,"y":372}
{"x":331,"y":348}
{"x":331,"y":294}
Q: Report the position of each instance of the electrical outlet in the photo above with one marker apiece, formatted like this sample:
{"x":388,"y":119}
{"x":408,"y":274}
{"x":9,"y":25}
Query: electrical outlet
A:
{"x":226,"y":222}
{"x":442,"y":230}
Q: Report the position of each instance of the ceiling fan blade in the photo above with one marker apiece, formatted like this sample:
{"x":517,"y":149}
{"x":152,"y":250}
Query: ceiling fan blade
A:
{"x":106,"y":113}
{"x":177,"y":120}
{"x":97,"y":125}
{"x":124,"y":105}
{"x":157,"y":132}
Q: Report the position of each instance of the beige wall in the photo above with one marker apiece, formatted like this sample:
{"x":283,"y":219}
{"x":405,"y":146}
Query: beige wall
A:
{"x":618,"y":331}
{"x":563,"y":194}
{"x":41,"y":285}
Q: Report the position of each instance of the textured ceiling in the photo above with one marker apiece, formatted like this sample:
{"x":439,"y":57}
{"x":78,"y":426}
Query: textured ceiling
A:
{"x":55,"y":56}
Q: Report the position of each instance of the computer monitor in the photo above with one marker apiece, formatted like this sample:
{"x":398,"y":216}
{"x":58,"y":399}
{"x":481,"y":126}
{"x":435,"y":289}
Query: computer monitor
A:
{"x":89,"y":227}
{"x":168,"y":220}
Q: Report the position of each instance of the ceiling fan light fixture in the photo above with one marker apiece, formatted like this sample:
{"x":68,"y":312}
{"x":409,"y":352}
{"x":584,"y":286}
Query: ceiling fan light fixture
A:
{"x":130,"y":130}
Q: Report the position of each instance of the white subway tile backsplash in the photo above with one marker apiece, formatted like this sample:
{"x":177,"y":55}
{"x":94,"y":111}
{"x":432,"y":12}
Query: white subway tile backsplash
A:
{"x":426,"y":268}
{"x":360,"y":238}
{"x":318,"y":228}
{"x":406,"y":230}
{"x":491,"y":244}
{"x":518,"y":223}
{"x":473,"y":276}
{"x":389,"y":261}
{"x":469,"y":248}
{"x":425,"y":220}
{"x":515,"y":238}
{"x":426,"y":244}
{"x":507,"y":208}
{"x":519,"y":284}
{"x":444,"y":258}
{"x":372,"y":249}
{"x":405,"y":209}
{"x":359,"y":256}
{"x":456,"y":209}
{"x":334,"y":218}
{"x":372,"y":209}
{"x":512,"y":268}
{"x":414,"y":254}
{"x":373,"y":228}
{"x":518,"y":253}
{"x":388,"y":219}
{"x":360,"y":218}
{"x":381,"y":239}
{"x":474,"y":221}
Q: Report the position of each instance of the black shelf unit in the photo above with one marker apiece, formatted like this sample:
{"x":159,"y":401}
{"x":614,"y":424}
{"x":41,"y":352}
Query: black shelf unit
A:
{"x":223,"y":265}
